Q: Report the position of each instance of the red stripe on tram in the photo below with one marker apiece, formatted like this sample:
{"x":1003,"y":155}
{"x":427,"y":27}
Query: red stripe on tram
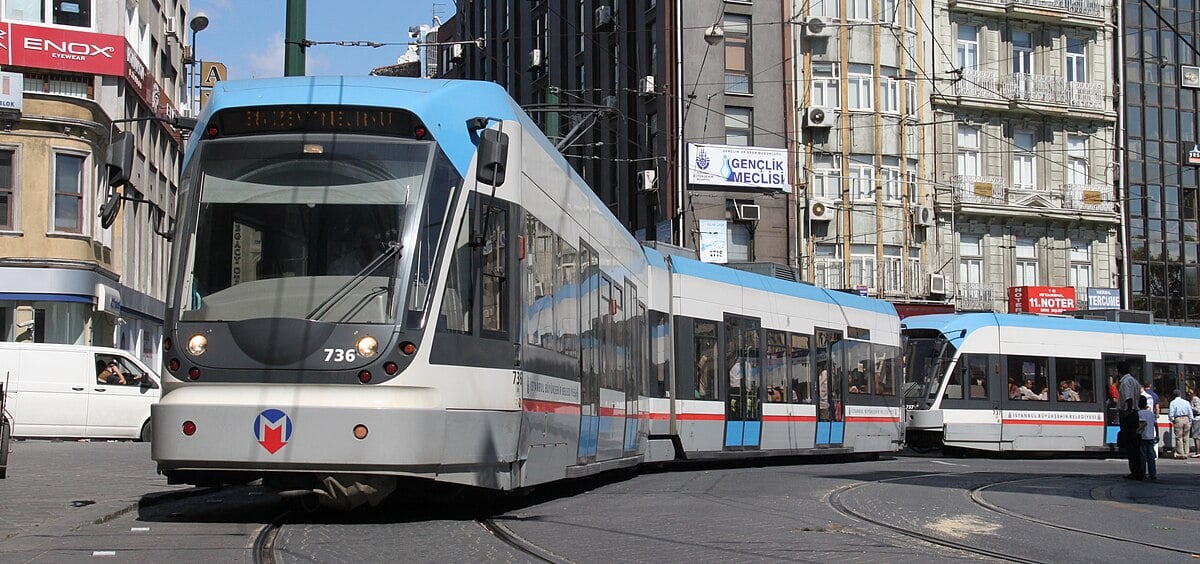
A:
{"x":872,"y":419}
{"x":1052,"y":422}
{"x":789,"y":418}
{"x":539,"y":406}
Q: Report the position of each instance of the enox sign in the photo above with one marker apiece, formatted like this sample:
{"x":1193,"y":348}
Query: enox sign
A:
{"x":1192,"y":156}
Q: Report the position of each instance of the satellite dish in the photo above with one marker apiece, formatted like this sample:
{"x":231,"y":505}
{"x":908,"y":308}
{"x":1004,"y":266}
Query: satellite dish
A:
{"x":108,"y":212}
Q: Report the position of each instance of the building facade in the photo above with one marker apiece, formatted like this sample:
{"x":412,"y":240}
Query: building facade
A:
{"x":1026,"y":145}
{"x":76,"y":72}
{"x":1160,"y":97}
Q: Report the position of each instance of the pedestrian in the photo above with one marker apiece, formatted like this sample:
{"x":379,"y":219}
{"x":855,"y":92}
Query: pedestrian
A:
{"x":1128,"y":438}
{"x":1147,"y":429}
{"x":1195,"y":424}
{"x":1180,"y":414}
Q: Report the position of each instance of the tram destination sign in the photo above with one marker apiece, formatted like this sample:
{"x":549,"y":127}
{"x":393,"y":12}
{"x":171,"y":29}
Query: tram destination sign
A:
{"x":339,"y":119}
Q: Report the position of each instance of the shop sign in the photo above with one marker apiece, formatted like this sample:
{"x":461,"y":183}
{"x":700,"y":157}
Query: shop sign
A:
{"x":713,"y":240}
{"x":1041,"y":299}
{"x":1104,"y":298}
{"x":58,"y":49}
{"x":12,"y":93}
{"x":740,"y":167}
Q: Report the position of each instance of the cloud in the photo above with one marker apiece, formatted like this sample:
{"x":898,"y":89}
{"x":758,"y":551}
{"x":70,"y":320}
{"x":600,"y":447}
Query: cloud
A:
{"x":267,"y":61}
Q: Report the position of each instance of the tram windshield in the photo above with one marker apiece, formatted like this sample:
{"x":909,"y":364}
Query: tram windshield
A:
{"x":313,"y":226}
{"x":926,"y":356}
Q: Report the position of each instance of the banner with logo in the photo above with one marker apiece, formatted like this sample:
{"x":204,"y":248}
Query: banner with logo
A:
{"x":61,"y":49}
{"x":742,"y":167}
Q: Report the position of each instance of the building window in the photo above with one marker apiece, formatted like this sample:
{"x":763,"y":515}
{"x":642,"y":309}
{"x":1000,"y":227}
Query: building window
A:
{"x":862,"y":180}
{"x":738,"y":126}
{"x":1026,"y":271}
{"x":968,"y":46}
{"x":861,"y":87}
{"x":893,"y":269}
{"x":737,"y":54}
{"x":825,"y":85}
{"x":858,"y":10}
{"x":738,"y":242}
{"x":862,"y":266}
{"x":911,"y":185}
{"x":887,"y":11}
{"x":583,"y":30}
{"x":828,"y":266}
{"x":915,"y":272}
{"x":890,"y":178}
{"x":1023,"y":170}
{"x":8,"y":193}
{"x":889,"y":93}
{"x":76,"y":13}
{"x":910,"y":14}
{"x":827,"y":8}
{"x":1081,"y":267}
{"x":968,"y":151}
{"x":827,"y":178}
{"x":910,"y":96}
{"x":1077,"y":159}
{"x":970,"y":261}
{"x":68,"y":193}
{"x":1022,"y":52}
{"x":1076,"y":60}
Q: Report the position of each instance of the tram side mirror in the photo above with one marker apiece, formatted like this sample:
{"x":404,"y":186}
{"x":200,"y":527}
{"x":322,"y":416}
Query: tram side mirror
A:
{"x":120,"y":158}
{"x":492,"y":157}
{"x":108,"y":212}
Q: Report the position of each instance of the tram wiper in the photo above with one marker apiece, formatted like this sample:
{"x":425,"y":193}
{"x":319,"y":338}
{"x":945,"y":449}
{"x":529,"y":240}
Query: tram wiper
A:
{"x":393,"y":249}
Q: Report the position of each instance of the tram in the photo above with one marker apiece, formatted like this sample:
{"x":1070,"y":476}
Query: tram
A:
{"x":1027,"y":383}
{"x":380,"y":281}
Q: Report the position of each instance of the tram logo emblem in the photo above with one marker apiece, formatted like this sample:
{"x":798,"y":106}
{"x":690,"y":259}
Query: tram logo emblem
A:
{"x":273,"y":429}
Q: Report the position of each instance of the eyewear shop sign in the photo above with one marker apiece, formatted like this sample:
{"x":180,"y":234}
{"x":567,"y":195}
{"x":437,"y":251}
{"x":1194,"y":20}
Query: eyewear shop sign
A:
{"x":61,"y":49}
{"x":741,"y":167}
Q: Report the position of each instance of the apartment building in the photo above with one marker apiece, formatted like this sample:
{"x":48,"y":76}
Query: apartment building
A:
{"x":76,"y":72}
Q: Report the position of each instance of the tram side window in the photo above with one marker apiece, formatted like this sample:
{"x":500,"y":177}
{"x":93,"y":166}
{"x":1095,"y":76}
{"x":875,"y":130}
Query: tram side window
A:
{"x":566,"y":300}
{"x":1166,"y":378}
{"x":495,"y":272}
{"x":776,"y":366}
{"x":457,"y":300}
{"x":858,"y":360}
{"x":954,"y":388}
{"x":538,"y":266}
{"x":1075,"y":380}
{"x":706,"y":359}
{"x":800,"y":368}
{"x":975,"y":374}
{"x":885,"y":369}
{"x":1191,"y":380}
{"x":1027,"y":378}
{"x":660,"y":362}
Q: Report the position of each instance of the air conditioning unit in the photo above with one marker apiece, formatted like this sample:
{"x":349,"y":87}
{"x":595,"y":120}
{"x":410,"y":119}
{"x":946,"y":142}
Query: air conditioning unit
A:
{"x":171,"y":27}
{"x":819,"y":210}
{"x":604,"y":16}
{"x":456,"y":52}
{"x":937,"y":284}
{"x":646,"y":85}
{"x":818,"y":117}
{"x":748,"y":212}
{"x":817,"y":26}
{"x":647,"y":180}
{"x":923,"y":216}
{"x":536,"y":60}
{"x":188,"y":55}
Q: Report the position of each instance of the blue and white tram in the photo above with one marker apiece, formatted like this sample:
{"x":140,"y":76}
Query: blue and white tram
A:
{"x":765,"y":366}
{"x":1017,"y":382}
{"x":376,"y":279}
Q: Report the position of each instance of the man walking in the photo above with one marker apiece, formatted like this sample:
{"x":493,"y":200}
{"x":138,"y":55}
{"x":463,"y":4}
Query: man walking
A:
{"x":1129,"y":390}
{"x":1182,"y":420}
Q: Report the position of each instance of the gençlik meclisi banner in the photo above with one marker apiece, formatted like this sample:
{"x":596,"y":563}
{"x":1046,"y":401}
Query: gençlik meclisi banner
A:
{"x":742,"y":167}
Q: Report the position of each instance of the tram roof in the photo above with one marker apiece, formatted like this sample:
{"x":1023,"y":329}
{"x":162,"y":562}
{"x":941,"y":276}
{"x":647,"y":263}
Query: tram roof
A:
{"x":952,"y":322}
{"x":718,"y":273}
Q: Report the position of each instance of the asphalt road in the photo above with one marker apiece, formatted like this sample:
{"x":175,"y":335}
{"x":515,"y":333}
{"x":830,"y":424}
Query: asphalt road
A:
{"x":928,"y":508}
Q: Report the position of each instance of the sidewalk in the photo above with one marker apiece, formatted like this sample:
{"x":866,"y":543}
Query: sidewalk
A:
{"x":56,"y":486}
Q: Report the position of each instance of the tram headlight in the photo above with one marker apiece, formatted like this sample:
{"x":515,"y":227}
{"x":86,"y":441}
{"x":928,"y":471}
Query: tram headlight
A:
{"x":197,"y":345}
{"x":367,"y":346}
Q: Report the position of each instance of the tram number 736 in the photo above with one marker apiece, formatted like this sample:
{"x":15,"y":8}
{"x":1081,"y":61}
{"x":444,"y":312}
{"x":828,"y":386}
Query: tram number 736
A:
{"x":339,"y":355}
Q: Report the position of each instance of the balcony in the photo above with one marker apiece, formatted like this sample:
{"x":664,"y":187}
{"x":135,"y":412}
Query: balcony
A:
{"x":1054,"y":92}
{"x":1049,"y":89}
{"x":1083,"y":12}
{"x":988,"y":190}
{"x":973,"y":297}
{"x":1088,"y":197}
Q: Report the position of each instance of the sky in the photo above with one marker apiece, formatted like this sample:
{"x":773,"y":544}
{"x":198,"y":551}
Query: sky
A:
{"x":247,"y":35}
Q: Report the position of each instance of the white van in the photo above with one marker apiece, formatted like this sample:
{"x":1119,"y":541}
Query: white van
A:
{"x":57,"y":391}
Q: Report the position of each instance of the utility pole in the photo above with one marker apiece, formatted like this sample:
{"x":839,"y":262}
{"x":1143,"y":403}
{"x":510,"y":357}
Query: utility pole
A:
{"x":293,"y":51}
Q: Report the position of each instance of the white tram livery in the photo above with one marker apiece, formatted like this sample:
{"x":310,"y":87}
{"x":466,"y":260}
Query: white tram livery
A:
{"x":379,"y":281}
{"x":1019,"y":382}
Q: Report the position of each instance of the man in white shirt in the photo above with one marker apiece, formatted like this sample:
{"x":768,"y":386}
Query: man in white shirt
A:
{"x":1180,"y":413}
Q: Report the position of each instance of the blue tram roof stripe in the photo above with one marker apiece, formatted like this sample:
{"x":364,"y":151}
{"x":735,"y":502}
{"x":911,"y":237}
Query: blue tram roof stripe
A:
{"x":949,"y":323}
{"x":440,"y":104}
{"x":733,"y":276}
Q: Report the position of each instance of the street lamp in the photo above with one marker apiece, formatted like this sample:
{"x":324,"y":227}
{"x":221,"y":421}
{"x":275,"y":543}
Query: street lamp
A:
{"x":198,"y":23}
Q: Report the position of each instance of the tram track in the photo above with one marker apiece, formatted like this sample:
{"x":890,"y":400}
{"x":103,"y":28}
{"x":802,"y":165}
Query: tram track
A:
{"x":510,"y":538}
{"x":263,"y":549}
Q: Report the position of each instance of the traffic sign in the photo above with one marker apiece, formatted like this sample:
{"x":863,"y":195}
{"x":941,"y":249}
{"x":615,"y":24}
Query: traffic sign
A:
{"x":212,"y":72}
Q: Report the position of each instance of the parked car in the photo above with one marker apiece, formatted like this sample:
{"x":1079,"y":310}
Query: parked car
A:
{"x":75,"y":391}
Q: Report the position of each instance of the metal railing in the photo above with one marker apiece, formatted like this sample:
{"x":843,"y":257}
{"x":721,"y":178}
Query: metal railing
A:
{"x":1050,"y":89}
{"x":974,"y":296}
{"x":1091,"y":197}
{"x":980,"y":189}
{"x":1088,"y":8}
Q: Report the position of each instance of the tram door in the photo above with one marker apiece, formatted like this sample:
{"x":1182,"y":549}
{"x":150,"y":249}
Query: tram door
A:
{"x":1112,"y":416}
{"x":830,"y":401}
{"x":591,"y":326}
{"x":743,"y":367}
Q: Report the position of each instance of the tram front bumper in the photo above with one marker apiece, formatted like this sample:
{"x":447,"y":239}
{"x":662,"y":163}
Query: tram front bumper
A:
{"x":925,"y":420}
